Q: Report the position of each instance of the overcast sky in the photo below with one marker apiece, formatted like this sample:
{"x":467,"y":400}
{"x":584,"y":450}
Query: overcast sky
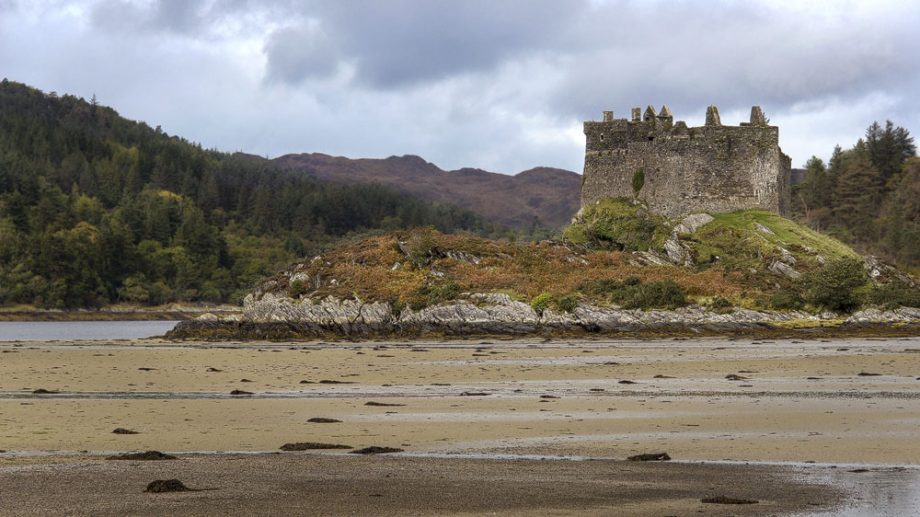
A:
{"x":499,"y":85}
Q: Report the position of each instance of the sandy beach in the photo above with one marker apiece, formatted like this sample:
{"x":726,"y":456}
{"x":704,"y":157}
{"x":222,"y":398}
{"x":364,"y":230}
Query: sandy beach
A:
{"x":793,"y":413}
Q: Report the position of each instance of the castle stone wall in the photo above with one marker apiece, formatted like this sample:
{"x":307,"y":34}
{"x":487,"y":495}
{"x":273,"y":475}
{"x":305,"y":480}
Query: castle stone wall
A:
{"x":677,"y":170}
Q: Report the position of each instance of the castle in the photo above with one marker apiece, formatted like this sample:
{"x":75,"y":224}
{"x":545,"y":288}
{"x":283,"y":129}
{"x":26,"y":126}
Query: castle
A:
{"x":678,"y":170}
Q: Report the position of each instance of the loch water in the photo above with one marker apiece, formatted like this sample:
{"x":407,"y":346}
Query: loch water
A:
{"x":81,"y":330}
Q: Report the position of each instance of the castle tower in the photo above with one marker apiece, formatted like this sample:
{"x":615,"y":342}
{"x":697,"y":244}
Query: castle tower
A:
{"x":684,"y":170}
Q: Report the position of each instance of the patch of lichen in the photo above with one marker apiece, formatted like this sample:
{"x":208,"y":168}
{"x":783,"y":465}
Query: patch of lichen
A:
{"x":618,"y":224}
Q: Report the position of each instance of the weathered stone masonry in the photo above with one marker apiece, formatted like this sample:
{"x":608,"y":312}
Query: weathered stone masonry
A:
{"x":677,"y":170}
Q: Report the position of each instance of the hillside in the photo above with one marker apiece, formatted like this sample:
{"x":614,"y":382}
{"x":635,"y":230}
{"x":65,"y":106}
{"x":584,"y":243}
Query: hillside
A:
{"x":752,"y":258}
{"x":97,"y":209}
{"x":541,"y":196}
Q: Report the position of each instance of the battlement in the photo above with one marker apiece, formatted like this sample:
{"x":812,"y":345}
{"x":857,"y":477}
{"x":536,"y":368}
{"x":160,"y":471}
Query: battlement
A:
{"x":685,"y":169}
{"x":612,"y":133}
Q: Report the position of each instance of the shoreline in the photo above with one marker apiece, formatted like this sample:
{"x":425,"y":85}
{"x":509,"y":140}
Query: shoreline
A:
{"x":113,"y":314}
{"x":203,"y":330}
{"x":492,"y":315}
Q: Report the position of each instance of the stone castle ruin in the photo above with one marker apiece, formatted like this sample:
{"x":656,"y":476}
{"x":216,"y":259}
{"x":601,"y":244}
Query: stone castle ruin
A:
{"x":678,"y":170}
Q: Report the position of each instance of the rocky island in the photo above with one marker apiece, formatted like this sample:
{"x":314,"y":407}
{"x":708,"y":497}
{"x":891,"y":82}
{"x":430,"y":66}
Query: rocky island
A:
{"x":714,"y":256}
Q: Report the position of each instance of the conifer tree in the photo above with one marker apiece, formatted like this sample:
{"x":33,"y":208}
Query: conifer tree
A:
{"x":857,"y":193}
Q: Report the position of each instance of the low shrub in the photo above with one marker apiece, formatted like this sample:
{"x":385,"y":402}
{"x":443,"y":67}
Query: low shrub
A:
{"x":298,"y":288}
{"x":541,"y":302}
{"x":564,"y":303}
{"x":605,"y":287}
{"x":631,"y":293}
{"x":600,"y":288}
{"x":787,"y":300}
{"x":420,"y":246}
{"x":433,"y":294}
{"x":567,"y":303}
{"x":664,"y":294}
{"x":836,"y":285}
{"x":721,"y":305}
{"x":893,"y":295}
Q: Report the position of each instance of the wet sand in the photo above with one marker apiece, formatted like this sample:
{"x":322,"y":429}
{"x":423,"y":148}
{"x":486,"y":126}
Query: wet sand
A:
{"x":846,"y":402}
{"x":304,"y":484}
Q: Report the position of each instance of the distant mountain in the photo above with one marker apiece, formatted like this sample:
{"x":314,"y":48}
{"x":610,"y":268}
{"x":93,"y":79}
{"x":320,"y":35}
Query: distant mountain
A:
{"x":546,"y":196}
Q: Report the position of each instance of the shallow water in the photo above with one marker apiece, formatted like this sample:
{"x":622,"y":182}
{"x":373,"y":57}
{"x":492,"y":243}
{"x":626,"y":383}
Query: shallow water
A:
{"x":69,"y":330}
{"x":882,"y":491}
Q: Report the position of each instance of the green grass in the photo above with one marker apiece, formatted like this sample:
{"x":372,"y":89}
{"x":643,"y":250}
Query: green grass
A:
{"x":787,"y":233}
{"x":733,"y":240}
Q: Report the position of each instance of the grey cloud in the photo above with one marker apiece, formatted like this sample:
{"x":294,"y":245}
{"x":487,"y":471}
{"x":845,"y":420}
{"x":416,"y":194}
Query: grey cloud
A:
{"x":612,"y":52}
{"x":190,"y":18}
{"x":495,"y":84}
{"x":404,"y":42}
{"x":177,"y":16}
{"x":297,"y":53}
{"x":739,"y":55}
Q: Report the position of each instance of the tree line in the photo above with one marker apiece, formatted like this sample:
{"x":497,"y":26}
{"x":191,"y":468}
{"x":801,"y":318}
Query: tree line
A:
{"x":97,"y":209}
{"x":867,"y":195}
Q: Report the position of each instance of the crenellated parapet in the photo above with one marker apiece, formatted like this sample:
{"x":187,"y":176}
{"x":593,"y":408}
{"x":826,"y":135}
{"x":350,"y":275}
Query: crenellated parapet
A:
{"x":612,"y":133}
{"x":713,"y":167}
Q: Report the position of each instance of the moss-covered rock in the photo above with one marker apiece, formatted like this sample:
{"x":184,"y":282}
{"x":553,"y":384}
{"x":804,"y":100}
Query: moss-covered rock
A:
{"x":618,"y":224}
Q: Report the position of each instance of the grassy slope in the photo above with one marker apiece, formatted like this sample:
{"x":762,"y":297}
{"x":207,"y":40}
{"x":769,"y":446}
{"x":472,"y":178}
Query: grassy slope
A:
{"x":734,"y":241}
{"x":734,"y":237}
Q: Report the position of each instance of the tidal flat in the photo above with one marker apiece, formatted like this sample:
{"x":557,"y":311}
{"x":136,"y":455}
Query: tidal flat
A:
{"x":801,"y":426}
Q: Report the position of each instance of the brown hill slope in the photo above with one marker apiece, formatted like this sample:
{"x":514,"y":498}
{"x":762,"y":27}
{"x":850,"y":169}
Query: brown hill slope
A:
{"x":549,"y":196}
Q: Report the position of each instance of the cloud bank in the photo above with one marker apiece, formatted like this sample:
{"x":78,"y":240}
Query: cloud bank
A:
{"x":498,"y":85}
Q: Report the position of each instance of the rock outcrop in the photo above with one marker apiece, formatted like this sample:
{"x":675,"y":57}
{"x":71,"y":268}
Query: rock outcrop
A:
{"x":327,"y":315}
{"x":273,"y":316}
